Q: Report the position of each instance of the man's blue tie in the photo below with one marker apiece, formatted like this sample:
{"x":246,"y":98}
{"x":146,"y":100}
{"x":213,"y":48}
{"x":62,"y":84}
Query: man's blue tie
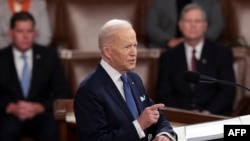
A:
{"x":129,"y":97}
{"x":25,"y":80}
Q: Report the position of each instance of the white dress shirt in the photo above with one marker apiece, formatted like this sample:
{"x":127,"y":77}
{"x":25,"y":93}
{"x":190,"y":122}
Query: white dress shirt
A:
{"x":116,"y":77}
{"x":189,"y":51}
{"x":19,"y":62}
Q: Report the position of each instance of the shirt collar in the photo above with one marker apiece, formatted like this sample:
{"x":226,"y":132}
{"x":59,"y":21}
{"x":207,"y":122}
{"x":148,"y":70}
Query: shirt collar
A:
{"x":198,"y":48}
{"x":18,"y":53}
{"x":113,"y":73}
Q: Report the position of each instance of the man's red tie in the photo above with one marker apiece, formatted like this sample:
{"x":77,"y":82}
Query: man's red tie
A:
{"x":193,"y":61}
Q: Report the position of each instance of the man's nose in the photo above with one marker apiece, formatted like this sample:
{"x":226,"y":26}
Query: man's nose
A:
{"x":134,"y":51}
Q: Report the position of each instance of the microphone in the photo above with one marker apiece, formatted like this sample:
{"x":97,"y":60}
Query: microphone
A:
{"x":196,"y":77}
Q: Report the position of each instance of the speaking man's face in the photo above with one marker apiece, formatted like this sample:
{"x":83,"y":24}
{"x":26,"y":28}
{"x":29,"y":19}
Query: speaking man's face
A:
{"x":123,"y":50}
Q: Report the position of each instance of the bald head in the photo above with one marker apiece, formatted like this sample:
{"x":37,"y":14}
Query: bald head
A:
{"x":110,"y":29}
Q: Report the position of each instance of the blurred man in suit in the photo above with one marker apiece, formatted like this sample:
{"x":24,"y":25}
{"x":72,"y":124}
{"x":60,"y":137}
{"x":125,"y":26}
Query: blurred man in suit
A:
{"x":111,"y":103}
{"x":196,"y":54}
{"x":38,"y":8}
{"x":163,"y":16}
{"x":31,"y":78}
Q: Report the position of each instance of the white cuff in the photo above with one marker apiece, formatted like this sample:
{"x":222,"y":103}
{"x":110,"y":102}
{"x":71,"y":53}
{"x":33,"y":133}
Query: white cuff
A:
{"x":167,"y":134}
{"x":138,"y":129}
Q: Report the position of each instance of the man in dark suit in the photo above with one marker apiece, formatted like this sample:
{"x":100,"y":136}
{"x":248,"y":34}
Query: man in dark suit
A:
{"x":196,"y":54}
{"x":100,"y":104}
{"x":163,"y":16}
{"x":31,"y":78}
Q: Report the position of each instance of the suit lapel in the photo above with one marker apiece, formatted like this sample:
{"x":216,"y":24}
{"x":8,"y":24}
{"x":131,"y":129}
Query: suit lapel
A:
{"x":113,"y":92}
{"x":137,"y":97}
{"x":118,"y":99}
{"x":37,"y":63}
{"x":202,"y":63}
{"x":183,"y":66}
{"x":13,"y":71}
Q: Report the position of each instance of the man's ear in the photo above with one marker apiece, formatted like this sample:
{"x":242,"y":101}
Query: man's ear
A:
{"x":106,"y":50}
{"x":35,"y":33}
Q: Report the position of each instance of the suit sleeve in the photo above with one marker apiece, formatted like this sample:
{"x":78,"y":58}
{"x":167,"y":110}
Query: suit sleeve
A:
{"x":225,"y":97}
{"x":59,"y":88}
{"x":92,"y":122}
{"x":164,"y":86}
{"x":163,"y":124}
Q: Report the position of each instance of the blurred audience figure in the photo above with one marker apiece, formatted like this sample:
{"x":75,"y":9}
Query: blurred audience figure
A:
{"x":196,"y":53}
{"x":163,"y":16}
{"x":38,"y":8}
{"x":31,"y":78}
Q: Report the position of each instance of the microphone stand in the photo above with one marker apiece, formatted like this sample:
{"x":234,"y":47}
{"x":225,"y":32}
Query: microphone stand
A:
{"x":213,"y":80}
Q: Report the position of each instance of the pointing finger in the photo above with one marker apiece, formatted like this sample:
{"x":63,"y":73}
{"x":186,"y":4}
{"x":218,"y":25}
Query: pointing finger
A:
{"x":157,"y":106}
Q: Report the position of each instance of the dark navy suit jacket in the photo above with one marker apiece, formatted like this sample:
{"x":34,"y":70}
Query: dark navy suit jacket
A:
{"x":102,"y":114}
{"x":48,"y":80}
{"x":215,"y":61}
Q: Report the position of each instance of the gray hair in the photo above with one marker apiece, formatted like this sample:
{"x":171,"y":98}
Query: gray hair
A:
{"x":192,"y":6}
{"x":110,"y":28}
